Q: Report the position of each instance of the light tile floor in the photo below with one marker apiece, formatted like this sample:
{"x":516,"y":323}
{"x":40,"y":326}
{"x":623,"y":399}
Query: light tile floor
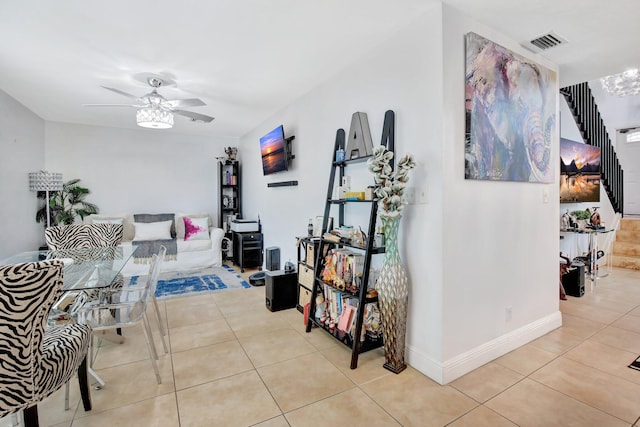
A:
{"x":234,"y":363}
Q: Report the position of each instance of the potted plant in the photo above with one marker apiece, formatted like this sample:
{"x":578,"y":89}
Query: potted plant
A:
{"x":66,"y":205}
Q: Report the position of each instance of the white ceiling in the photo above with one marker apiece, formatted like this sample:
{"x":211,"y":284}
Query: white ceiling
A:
{"x":248,"y":58}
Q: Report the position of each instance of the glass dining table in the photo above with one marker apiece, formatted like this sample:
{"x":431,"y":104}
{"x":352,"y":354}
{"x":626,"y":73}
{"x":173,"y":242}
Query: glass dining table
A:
{"x":84,"y":268}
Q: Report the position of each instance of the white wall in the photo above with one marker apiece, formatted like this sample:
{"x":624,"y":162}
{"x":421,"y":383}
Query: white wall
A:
{"x":629,"y":157}
{"x":473,"y":248}
{"x":22,"y":151}
{"x":374,"y":84}
{"x":501,"y":238}
{"x":138,"y":171}
{"x":402,"y":74}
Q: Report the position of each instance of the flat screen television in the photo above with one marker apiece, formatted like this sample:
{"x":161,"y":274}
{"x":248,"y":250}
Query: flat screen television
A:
{"x":273,"y":148}
{"x":579,"y":172}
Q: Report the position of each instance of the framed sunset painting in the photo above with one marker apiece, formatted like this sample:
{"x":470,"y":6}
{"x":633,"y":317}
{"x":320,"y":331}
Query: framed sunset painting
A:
{"x":579,"y":172}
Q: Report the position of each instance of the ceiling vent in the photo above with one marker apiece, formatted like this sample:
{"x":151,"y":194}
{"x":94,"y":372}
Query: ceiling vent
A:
{"x":545,"y":42}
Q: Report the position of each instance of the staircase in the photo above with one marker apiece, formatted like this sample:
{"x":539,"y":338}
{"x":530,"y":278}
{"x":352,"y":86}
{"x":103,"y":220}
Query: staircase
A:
{"x":585,"y":112}
{"x":626,"y":248}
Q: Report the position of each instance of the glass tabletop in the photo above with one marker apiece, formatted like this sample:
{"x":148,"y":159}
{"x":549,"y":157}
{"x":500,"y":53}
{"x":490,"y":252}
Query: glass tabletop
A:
{"x":590,"y":230}
{"x":84,"y":268}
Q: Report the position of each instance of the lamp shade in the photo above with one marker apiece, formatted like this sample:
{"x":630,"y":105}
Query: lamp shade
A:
{"x":154,"y":118}
{"x":45,"y":181}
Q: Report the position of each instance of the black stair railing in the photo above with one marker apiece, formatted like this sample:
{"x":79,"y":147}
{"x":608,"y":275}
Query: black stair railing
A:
{"x":585,"y":112}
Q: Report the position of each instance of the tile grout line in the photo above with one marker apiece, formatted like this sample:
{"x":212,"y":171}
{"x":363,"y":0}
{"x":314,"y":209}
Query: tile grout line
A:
{"x":379,"y":405}
{"x":556,"y":357}
{"x":173,"y":372}
{"x":578,"y":400}
{"x":255,"y":369}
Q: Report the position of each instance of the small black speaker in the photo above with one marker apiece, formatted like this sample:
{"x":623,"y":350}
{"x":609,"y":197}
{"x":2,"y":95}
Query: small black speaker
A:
{"x":272,"y":258}
{"x":573,"y":280}
{"x":281,"y":290}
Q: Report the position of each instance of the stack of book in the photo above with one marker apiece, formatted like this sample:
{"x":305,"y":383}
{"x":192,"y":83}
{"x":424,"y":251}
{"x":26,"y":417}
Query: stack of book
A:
{"x":343,"y":269}
{"x":338,"y":313}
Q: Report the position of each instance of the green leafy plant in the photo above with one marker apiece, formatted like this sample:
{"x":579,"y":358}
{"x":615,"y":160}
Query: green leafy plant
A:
{"x":65,"y":205}
{"x":581,"y":214}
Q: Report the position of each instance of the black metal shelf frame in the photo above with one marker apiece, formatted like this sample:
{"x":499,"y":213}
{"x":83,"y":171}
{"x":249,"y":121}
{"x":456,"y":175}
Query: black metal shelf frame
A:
{"x":337,"y":171}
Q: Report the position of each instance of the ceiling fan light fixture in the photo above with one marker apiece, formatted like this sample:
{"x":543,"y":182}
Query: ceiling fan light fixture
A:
{"x":154,"y":118}
{"x":623,"y":84}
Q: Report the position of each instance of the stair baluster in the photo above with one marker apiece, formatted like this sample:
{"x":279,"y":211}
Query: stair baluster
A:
{"x":587,"y":117}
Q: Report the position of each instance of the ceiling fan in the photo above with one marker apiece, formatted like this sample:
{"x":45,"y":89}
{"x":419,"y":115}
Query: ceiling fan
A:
{"x":154,"y":110}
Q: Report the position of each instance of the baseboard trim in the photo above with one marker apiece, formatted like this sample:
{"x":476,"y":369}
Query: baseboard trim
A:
{"x":444,"y":373}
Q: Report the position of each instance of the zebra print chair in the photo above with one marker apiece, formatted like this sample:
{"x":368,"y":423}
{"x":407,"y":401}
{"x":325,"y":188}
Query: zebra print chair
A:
{"x":84,"y":236}
{"x":77,"y":236}
{"x":87,"y":236}
{"x":36,"y":361}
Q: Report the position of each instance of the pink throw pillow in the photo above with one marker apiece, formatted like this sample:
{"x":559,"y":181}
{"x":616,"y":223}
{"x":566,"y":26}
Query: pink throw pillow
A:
{"x":196,"y":228}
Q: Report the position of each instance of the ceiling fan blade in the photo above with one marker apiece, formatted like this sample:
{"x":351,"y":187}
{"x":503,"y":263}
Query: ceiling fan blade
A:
{"x":128,"y":95}
{"x":194,"y":116}
{"x":191,"y":102}
{"x":112,"y":105}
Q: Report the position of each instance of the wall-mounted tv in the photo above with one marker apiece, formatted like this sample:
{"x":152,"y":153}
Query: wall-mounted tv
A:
{"x":274,"y":151}
{"x":579,"y":172}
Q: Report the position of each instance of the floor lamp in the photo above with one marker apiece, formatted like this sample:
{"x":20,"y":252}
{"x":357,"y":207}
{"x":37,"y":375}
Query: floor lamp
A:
{"x":45,"y":181}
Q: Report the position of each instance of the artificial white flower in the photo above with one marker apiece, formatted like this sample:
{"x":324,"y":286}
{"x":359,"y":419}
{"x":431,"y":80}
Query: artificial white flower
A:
{"x":390,"y":183}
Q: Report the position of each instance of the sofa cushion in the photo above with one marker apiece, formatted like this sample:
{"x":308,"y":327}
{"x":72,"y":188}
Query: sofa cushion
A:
{"x":160,"y":230}
{"x":196,"y":228}
{"x":180,"y":222}
{"x":147,"y":218}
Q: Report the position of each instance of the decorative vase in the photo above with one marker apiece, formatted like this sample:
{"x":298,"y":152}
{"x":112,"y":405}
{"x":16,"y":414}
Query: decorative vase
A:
{"x":393,"y":297}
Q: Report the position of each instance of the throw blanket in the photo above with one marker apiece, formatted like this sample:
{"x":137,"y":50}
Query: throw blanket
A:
{"x":146,"y":249}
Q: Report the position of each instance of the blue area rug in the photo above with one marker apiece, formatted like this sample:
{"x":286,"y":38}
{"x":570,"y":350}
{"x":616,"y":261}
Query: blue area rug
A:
{"x":211,"y":279}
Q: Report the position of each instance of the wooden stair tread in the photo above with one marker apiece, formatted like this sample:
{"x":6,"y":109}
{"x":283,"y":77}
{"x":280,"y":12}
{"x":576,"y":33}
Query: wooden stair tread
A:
{"x":626,"y":248}
{"x":630,"y":224}
{"x":628,"y":236}
{"x":630,"y":262}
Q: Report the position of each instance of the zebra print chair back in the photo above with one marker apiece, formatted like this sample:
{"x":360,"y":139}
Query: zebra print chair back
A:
{"x":35,"y":361}
{"x":84,"y":236}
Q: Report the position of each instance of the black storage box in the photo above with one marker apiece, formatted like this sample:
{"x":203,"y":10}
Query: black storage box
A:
{"x":573,"y":280}
{"x":281,"y":290}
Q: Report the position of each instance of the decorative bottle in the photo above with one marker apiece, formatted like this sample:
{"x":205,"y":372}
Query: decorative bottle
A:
{"x":379,"y":239}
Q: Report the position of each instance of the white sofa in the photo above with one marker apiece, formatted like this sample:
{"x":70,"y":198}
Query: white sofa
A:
{"x":191,"y":255}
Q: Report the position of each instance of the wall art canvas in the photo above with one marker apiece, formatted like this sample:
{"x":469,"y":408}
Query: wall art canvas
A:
{"x":579,"y":172}
{"x":510,"y":115}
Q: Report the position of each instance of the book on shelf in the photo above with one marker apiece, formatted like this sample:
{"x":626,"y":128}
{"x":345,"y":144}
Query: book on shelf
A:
{"x":331,"y":237}
{"x":344,"y":324}
{"x":306,"y":310}
{"x":343,"y":269}
{"x":335,"y":303}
